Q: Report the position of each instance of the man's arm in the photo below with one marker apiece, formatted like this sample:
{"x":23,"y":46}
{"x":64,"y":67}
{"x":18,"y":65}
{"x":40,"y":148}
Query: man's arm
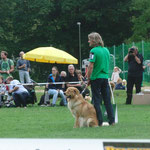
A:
{"x":11,"y":68}
{"x":11,"y":63}
{"x":2,"y":71}
{"x":28,"y":66}
{"x":90,"y":69}
{"x":119,"y":70}
{"x":137,"y":60}
{"x":126,"y":57}
{"x":8,"y":71}
{"x":14,"y":89}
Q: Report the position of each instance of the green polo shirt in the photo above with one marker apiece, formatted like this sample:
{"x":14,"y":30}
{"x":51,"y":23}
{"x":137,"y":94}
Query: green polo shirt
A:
{"x":100,"y":57}
{"x":5,"y":66}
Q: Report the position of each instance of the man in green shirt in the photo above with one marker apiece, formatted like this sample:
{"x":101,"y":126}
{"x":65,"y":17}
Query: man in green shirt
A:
{"x":98,"y":76}
{"x":6,"y":65}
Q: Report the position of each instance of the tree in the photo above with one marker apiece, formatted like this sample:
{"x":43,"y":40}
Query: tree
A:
{"x":6,"y":28}
{"x":140,"y":20}
{"x":27,"y":24}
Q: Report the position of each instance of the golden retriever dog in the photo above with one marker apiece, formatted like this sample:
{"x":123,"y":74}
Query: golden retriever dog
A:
{"x":84,"y":112}
{"x":124,"y":82}
{"x":112,"y":85}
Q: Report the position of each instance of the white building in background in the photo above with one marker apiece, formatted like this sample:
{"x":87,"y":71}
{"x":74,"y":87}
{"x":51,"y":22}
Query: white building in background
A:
{"x":85,"y":62}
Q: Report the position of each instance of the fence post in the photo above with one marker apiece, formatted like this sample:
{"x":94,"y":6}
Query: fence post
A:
{"x":143,"y":48}
{"x":114,"y":55}
{"x":133,"y":44}
{"x":123,"y":61}
{"x":143,"y":58}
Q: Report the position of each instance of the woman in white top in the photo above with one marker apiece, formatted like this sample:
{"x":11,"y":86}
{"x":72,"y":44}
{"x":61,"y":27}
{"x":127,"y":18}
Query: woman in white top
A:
{"x":115,"y":75}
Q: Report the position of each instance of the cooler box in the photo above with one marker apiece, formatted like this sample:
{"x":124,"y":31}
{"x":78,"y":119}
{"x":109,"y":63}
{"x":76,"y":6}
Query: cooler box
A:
{"x":143,"y":99}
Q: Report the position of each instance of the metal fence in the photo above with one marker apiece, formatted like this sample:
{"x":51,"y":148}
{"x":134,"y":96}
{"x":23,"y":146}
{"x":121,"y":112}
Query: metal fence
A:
{"x":121,"y":51}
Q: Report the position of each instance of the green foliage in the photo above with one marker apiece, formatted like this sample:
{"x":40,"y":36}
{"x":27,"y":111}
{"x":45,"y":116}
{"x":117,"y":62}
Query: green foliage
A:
{"x":140,"y":20}
{"x":6,"y":27}
{"x":27,"y":24}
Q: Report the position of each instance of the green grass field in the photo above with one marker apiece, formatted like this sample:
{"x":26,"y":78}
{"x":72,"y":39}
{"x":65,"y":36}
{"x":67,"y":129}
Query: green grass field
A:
{"x":57,"y":122}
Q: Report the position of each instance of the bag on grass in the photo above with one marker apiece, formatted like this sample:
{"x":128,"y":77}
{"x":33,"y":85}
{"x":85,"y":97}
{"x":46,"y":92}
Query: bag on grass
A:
{"x":42,"y":99}
{"x":104,"y":113}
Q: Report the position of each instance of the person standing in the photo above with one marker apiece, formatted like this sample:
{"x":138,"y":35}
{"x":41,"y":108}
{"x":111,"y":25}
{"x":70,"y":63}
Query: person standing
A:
{"x":98,"y":76}
{"x":24,"y":67}
{"x":6,"y":65}
{"x":135,"y":72}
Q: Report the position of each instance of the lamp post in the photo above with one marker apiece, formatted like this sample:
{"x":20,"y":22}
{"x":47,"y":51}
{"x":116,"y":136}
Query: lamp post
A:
{"x":79,"y":24}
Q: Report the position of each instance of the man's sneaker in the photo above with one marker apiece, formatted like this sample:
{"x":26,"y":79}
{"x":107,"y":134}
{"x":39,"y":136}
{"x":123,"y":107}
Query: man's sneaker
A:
{"x":43,"y":105}
{"x":105,"y":124}
{"x":140,"y":93}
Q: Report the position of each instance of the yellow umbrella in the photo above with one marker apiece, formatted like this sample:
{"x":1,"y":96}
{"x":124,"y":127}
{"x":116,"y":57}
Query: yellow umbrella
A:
{"x":50,"y":55}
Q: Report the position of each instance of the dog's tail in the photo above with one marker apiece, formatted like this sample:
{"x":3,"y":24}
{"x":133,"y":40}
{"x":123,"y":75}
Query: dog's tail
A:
{"x":88,"y":98}
{"x":91,"y":123}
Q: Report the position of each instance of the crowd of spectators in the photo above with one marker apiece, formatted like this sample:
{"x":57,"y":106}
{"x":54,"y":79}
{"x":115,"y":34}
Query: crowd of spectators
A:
{"x":14,"y":93}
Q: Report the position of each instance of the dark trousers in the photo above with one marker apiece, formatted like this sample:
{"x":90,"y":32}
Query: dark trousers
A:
{"x":100,"y":89}
{"x":131,"y":81}
{"x":20,"y":99}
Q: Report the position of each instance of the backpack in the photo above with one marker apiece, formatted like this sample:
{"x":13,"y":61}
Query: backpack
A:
{"x":42,"y":100}
{"x":9,"y":62}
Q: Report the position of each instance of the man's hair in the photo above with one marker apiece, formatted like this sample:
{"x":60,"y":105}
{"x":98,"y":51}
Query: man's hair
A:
{"x":134,"y":47}
{"x":69,"y":66}
{"x":56,"y":70}
{"x":21,"y":52}
{"x":10,"y":78}
{"x":96,"y":39}
{"x":64,"y":72}
{"x":5,"y":53}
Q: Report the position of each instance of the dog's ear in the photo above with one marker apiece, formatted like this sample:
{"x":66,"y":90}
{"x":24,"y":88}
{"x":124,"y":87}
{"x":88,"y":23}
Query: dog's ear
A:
{"x":76,"y":91}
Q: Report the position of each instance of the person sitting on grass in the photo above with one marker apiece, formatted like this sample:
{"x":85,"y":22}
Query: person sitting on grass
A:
{"x":115,"y":75}
{"x":2,"y":90}
{"x":119,"y":85}
{"x":19,"y":93}
{"x":5,"y":98}
{"x":55,"y":89}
